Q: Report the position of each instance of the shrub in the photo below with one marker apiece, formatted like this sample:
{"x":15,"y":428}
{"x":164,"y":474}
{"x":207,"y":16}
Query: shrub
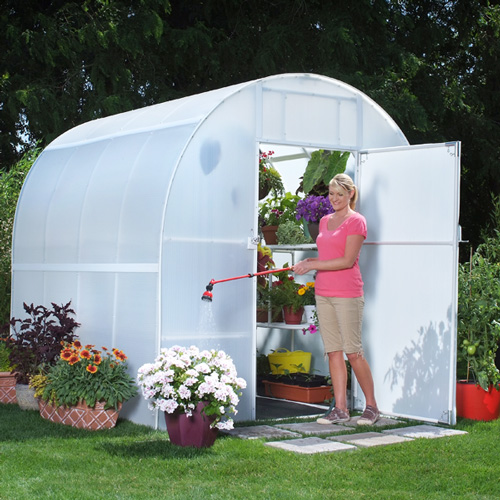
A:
{"x":36,"y":341}
{"x":11,"y":183}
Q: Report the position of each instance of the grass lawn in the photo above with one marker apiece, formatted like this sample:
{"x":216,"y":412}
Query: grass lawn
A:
{"x":39,"y":459}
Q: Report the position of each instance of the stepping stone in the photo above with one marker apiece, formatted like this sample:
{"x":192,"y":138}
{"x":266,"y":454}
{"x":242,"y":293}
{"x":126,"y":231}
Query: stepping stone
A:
{"x":260,"y":431}
{"x":381,"y":422}
{"x":311,"y":445}
{"x":424,"y":431}
{"x":313,"y":428}
{"x":369,"y":439}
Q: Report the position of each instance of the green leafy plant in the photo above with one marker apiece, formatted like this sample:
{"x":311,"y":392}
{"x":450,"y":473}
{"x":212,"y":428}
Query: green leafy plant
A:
{"x":276,"y":211}
{"x":290,"y":233}
{"x":321,"y":169}
{"x":478,"y":332}
{"x":269,"y":178}
{"x":5,"y":364}
{"x":478,"y":320}
{"x":285,"y":291}
{"x":265,"y":262}
{"x":263,"y":367}
{"x":11,"y":183}
{"x":36,"y":341}
{"x":83,"y":373}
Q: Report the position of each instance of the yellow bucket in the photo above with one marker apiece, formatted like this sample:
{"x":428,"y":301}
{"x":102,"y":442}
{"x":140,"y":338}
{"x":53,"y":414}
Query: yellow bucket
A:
{"x":292,"y":361}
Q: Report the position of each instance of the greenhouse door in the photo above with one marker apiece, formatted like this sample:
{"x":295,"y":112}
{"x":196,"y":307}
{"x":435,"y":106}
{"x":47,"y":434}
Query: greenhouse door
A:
{"x":410,"y":198}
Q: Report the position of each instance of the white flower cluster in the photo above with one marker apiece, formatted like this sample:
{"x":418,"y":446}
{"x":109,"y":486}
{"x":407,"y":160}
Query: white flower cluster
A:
{"x":182,"y":377}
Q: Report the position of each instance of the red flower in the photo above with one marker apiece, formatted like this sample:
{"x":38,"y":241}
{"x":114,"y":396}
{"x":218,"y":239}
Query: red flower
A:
{"x":66,"y":354}
{"x":97,"y":359}
{"x":119,"y":355}
{"x":73,"y":359}
{"x":77,"y":344}
{"x":85,"y":354}
{"x":92,"y":368}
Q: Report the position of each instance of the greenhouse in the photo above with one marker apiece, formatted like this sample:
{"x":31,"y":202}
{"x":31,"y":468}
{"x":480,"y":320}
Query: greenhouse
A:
{"x":131,"y":216}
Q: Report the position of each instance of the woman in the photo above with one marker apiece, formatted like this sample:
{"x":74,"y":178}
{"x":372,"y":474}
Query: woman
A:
{"x":339,"y":298}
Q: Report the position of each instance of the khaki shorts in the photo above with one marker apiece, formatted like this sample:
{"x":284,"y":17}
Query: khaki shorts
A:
{"x":340,"y":322}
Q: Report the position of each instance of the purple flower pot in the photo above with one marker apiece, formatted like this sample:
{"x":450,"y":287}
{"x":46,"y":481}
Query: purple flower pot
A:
{"x":191,"y":431}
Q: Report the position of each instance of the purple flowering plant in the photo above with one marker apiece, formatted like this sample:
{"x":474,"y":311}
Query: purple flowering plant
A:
{"x":313,"y":208}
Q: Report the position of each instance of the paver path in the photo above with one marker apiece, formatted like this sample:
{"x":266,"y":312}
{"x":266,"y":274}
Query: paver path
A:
{"x":310,"y":437}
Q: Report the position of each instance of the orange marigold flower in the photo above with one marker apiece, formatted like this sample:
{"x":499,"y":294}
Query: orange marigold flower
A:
{"x":73,"y":359}
{"x":97,"y":359}
{"x":85,"y":354}
{"x":92,"y":368}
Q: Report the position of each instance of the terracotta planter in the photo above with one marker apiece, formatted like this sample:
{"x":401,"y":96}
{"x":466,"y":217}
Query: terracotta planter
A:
{"x":192,"y":431}
{"x":262,"y":315}
{"x":25,"y":396}
{"x":81,"y":416}
{"x":298,"y":393}
{"x":7,"y":388}
{"x":475,"y":403}
{"x":293,"y":317}
{"x":269,"y":233}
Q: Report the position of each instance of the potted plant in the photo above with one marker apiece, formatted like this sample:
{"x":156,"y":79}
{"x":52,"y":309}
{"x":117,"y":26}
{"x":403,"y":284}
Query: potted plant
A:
{"x":276,"y":211}
{"x":285,"y":293}
{"x":478,"y":333}
{"x":265,"y":262}
{"x":321,"y":169}
{"x":310,"y":210}
{"x":290,"y":233}
{"x":196,"y":389}
{"x":296,"y":384}
{"x":35,"y":344}
{"x":269,"y":178}
{"x":309,"y":298}
{"x":7,"y":378}
{"x":86,"y":387}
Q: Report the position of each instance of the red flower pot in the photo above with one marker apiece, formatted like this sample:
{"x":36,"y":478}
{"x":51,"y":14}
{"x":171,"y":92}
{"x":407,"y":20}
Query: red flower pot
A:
{"x":474,"y":403}
{"x":293,"y":317}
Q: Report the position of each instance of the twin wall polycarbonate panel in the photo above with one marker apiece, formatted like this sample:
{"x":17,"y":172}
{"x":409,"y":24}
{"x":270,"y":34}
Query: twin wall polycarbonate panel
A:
{"x":322,"y":112}
{"x":101,"y":203}
{"x":209,"y":218}
{"x":409,"y":197}
{"x":89,"y":228}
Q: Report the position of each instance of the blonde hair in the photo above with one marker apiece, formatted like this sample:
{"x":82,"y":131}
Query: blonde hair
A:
{"x":344,"y":182}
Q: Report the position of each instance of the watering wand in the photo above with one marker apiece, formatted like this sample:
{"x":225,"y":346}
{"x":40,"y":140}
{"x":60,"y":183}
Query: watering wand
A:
{"x":208,"y":294}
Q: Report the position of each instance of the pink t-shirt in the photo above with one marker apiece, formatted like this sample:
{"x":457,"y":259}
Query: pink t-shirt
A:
{"x":331,"y":245}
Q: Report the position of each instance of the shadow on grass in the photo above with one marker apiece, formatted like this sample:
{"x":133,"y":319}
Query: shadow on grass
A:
{"x":126,"y":439}
{"x":156,"y":447}
{"x":24,"y":425}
